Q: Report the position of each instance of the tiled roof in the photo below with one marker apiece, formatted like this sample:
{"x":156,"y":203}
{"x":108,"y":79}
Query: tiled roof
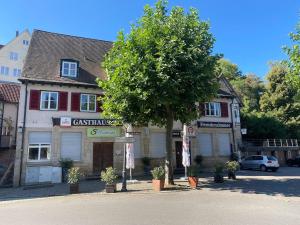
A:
{"x":47,"y":49}
{"x":9,"y":92}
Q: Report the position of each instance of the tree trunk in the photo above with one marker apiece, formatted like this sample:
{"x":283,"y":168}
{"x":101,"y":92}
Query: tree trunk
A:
{"x":168,"y":164}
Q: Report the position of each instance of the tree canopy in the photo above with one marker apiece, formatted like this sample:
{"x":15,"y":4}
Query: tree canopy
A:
{"x":157,"y":72}
{"x":229,"y":70}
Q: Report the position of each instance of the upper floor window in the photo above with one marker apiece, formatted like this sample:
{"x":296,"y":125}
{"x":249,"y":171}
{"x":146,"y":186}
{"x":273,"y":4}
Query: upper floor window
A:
{"x":25,"y":42}
{"x":16,"y":72}
{"x":69,"y":69}
{"x":4,"y":70}
{"x":13,"y":56}
{"x":213,"y":109}
{"x":49,"y":100}
{"x":87,"y":103}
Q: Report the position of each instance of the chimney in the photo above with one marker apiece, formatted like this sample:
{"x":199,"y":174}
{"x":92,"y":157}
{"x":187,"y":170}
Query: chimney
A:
{"x":17,"y":33}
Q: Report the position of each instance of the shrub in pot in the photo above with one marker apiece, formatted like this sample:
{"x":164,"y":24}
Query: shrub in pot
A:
{"x":74,"y":176}
{"x":232,"y":167}
{"x":146,"y":162}
{"x":109,"y":176}
{"x":158,"y":174}
{"x":218,"y":173}
{"x":65,"y":164}
{"x":192,"y":176}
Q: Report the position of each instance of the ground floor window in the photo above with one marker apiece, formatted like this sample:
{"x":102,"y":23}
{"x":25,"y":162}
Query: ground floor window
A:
{"x":39,"y":152}
{"x":71,"y":145}
{"x":205,"y":147}
{"x":224,"y":144}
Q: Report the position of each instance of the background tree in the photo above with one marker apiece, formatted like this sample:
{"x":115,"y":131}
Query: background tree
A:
{"x":229,"y":70}
{"x":157,"y":72}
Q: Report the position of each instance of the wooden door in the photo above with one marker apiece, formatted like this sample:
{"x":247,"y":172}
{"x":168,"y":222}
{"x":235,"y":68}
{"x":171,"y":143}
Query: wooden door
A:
{"x":178,"y":150}
{"x":102,"y":156}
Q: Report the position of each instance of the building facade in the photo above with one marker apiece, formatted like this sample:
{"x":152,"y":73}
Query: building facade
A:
{"x":12,"y":57}
{"x":60,"y":117}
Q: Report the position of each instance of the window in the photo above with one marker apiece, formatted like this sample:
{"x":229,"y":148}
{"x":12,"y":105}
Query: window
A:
{"x":71,"y":145}
{"x":13,"y":56}
{"x":213,"y":109}
{"x":236,"y":114}
{"x":4,"y":70}
{"x":69,"y":69}
{"x":39,"y":152}
{"x":25,"y":42}
{"x":88,"y":103}
{"x":49,"y":100}
{"x":17,"y":72}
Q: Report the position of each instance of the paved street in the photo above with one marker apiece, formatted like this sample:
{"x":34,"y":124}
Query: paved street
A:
{"x":256,"y":198}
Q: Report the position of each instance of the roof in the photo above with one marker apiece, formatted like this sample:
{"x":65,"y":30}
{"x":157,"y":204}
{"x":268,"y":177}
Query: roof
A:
{"x":223,"y":93}
{"x":47,"y":49}
{"x":9,"y":92}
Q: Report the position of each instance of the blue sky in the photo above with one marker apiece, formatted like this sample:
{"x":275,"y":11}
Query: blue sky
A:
{"x":249,"y":33}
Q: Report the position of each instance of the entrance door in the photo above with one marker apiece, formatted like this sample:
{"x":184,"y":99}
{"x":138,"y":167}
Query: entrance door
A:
{"x":102,"y":156}
{"x":178,"y":147}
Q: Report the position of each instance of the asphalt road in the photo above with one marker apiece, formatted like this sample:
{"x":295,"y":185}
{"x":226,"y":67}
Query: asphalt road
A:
{"x":224,"y":204}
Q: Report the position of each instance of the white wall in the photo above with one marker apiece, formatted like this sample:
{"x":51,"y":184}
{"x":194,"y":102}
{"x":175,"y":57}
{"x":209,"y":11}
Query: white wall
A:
{"x":16,"y":45}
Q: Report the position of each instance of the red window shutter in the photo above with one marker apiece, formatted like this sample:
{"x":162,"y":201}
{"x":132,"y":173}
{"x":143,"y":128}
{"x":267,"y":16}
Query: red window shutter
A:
{"x":34,"y":101}
{"x":202,"y":109}
{"x":224,"y":109}
{"x":75,"y":102}
{"x":99,"y":104}
{"x":63,"y":101}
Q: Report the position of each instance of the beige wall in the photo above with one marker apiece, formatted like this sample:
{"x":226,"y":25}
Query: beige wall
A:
{"x":16,"y":45}
{"x":10,"y":112}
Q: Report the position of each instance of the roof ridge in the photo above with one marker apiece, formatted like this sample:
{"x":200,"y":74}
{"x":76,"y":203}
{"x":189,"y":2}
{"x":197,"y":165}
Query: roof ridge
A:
{"x":69,"y":35}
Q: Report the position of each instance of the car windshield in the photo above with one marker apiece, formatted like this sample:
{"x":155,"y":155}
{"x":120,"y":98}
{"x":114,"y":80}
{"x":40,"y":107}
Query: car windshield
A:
{"x":272,"y":158}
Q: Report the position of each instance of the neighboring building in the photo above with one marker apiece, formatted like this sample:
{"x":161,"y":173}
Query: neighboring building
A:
{"x":12,"y":57}
{"x":60,"y":117}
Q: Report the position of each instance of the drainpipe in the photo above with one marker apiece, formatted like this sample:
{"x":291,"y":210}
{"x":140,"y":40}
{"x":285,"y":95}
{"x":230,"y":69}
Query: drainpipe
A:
{"x":233,"y":135}
{"x":23,"y":131}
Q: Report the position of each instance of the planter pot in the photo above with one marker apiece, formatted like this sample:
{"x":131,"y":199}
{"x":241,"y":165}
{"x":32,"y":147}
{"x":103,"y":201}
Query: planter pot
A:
{"x":74,"y":188}
{"x":193,"y":182}
{"x":158,"y":185}
{"x":218,"y":178}
{"x":231,"y":175}
{"x":110,"y":188}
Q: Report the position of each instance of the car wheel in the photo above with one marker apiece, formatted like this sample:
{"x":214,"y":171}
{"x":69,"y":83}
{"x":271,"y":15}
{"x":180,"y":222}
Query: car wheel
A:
{"x":263,"y":168}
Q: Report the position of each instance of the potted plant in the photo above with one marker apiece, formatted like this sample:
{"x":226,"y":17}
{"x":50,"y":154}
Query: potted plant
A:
{"x":65,"y":164}
{"x":146,"y":163}
{"x":158,"y":174}
{"x":218,"y":173}
{"x":232,"y":167}
{"x":193,"y":176}
{"x":74,"y":176}
{"x":109,"y":176}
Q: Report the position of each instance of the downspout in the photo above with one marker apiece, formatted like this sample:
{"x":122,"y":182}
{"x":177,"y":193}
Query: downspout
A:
{"x":23,"y":131}
{"x":232,"y":129}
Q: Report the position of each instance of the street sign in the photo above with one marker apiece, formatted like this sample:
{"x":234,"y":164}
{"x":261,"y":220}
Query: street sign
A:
{"x":124,"y":139}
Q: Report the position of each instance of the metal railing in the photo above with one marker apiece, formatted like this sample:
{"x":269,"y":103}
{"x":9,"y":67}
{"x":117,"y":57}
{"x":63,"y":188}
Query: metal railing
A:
{"x":280,"y":143}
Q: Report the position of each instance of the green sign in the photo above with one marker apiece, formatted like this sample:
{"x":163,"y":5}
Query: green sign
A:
{"x":103,"y":132}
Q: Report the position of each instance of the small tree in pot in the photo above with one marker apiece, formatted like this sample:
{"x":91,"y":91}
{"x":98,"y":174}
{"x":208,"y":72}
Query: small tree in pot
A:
{"x":193,"y":176}
{"x":65,"y":164}
{"x":218,"y":173}
{"x":109,"y":176}
{"x":158,"y":174}
{"x":232,"y":167}
{"x":146,"y":162}
{"x":74,"y":176}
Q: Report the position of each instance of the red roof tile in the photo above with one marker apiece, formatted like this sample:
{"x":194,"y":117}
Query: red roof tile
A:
{"x":9,"y":92}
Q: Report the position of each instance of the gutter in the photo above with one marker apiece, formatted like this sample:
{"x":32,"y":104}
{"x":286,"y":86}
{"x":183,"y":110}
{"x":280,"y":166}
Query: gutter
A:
{"x":23,"y":132}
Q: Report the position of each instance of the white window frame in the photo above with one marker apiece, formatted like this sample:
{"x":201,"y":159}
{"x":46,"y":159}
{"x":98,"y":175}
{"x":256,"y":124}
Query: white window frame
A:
{"x":13,"y":56}
{"x":48,"y":107}
{"x":216,"y":112}
{"x":16,"y":72}
{"x":88,"y":105}
{"x":39,"y":145}
{"x":5,"y":70}
{"x":64,"y":62}
{"x":25,"y":42}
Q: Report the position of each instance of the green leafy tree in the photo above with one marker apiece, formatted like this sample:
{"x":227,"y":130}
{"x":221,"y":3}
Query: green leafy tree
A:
{"x":157,"y":72}
{"x":294,"y":60}
{"x":250,"y":89}
{"x":229,"y":70}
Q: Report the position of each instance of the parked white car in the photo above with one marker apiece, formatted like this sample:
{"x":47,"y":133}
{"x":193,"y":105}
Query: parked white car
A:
{"x":261,"y":162}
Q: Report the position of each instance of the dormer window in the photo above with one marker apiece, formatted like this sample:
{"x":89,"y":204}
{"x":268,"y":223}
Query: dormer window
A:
{"x":69,"y":68}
